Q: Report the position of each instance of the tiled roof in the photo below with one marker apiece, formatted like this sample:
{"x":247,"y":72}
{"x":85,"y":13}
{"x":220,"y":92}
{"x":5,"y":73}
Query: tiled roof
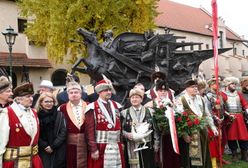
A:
{"x":186,"y":18}
{"x":21,"y":59}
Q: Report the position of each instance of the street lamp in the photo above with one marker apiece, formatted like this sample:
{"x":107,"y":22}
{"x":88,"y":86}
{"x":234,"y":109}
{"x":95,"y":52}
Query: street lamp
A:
{"x":10,"y":36}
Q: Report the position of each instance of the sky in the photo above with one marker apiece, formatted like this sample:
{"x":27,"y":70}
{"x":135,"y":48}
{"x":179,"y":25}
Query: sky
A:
{"x":233,"y":13}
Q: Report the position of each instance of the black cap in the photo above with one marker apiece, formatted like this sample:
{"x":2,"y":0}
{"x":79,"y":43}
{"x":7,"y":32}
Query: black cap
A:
{"x":162,"y":85}
{"x":190,"y":82}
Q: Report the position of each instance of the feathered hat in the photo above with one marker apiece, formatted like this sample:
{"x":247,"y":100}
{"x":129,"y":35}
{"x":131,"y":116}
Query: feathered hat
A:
{"x":158,"y":74}
{"x":104,"y":84}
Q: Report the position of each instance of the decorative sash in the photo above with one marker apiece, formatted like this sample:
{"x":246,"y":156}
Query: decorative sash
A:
{"x":79,"y":141}
{"x":21,"y":155}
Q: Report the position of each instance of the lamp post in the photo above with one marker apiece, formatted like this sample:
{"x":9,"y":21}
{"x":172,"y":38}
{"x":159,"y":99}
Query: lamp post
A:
{"x":10,"y":36}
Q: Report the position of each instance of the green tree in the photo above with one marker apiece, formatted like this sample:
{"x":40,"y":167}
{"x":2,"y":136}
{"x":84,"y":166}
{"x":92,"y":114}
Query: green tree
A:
{"x":54,"y":22}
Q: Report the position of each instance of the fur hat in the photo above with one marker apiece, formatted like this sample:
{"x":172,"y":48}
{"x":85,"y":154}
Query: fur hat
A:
{"x":103,"y":85}
{"x":230,"y":80}
{"x":136,"y":92}
{"x":4,"y":83}
{"x":244,"y":83}
{"x":23,"y":90}
{"x":46,"y":83}
{"x":189,"y":83}
{"x":73,"y":85}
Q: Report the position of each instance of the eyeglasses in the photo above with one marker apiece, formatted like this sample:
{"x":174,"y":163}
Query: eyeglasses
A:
{"x":50,"y":102}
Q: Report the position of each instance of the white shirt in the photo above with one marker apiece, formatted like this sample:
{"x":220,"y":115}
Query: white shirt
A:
{"x":27,"y":120}
{"x":78,"y":112}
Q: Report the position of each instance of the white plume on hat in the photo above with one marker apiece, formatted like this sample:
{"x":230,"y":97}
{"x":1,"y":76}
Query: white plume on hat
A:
{"x":230,"y":80}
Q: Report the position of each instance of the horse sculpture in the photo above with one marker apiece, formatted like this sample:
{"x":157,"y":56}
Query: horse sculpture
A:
{"x":132,"y":57}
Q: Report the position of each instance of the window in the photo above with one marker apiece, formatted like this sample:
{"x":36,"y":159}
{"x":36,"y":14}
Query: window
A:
{"x":221,"y":39}
{"x":199,"y":47}
{"x":183,"y":47}
{"x":234,"y":51}
{"x":22,"y":25}
{"x":243,"y":52}
{"x":207,"y":46}
{"x":192,"y":47}
{"x":59,"y":77}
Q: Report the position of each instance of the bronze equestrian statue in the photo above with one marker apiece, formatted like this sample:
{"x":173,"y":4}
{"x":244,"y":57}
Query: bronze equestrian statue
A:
{"x":130,"y":58}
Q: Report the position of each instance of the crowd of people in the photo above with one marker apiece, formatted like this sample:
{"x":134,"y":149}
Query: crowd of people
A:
{"x":75,"y":130}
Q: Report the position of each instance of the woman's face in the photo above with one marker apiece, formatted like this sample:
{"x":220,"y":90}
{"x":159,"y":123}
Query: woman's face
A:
{"x":47,"y":103}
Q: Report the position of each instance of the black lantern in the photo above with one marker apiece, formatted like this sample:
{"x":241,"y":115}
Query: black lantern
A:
{"x":10,"y":36}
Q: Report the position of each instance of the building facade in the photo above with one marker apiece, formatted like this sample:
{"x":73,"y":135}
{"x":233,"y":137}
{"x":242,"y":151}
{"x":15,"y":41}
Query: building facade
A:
{"x":195,"y":24}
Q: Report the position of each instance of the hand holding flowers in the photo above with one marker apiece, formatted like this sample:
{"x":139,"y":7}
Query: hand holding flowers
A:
{"x":188,"y":123}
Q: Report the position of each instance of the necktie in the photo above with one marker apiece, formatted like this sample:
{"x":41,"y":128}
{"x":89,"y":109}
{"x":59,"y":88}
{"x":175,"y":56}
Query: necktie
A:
{"x":138,"y":114}
{"x":108,"y":107}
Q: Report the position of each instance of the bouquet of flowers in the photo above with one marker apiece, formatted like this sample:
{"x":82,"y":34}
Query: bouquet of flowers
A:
{"x":160,"y":120}
{"x":188,"y":123}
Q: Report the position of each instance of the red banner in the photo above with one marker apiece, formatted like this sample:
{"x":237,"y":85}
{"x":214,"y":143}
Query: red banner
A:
{"x":216,"y":66}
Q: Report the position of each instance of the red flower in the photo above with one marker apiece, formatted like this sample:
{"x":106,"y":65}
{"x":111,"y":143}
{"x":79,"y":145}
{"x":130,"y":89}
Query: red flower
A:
{"x":190,"y":123}
{"x":197,"y":121}
{"x":185,"y":113}
{"x":179,"y":119}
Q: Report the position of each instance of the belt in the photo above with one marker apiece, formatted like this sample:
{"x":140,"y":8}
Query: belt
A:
{"x":22,"y":151}
{"x":107,"y":136}
{"x":236,"y":112}
{"x":76,"y":139}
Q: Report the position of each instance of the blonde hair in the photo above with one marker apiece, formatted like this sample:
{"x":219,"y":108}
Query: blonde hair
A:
{"x":38,"y":106}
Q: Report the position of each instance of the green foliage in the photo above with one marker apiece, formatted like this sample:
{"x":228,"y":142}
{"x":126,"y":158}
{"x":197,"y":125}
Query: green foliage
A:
{"x":239,"y":164}
{"x":161,"y":122}
{"x":54,"y":22}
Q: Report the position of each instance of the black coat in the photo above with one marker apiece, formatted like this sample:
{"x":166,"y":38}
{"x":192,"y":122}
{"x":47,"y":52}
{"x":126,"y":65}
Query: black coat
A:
{"x":53,"y":133}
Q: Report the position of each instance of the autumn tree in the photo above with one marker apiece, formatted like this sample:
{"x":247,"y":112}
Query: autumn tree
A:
{"x":54,"y":22}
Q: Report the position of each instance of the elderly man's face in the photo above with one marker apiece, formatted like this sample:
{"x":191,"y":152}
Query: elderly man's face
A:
{"x":26,"y":101}
{"x":105,"y":94}
{"x":74,"y":94}
{"x":192,"y":90}
{"x":162,"y":93}
{"x":136,"y":100}
{"x":6,"y":96}
{"x":45,"y":89}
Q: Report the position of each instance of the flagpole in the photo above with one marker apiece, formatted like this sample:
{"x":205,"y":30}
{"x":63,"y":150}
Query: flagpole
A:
{"x":216,"y":69}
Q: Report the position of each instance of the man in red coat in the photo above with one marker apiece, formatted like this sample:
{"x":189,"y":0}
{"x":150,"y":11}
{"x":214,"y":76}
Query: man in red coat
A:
{"x":76,"y":155}
{"x":235,"y":103}
{"x":103,"y":129}
{"x":20,"y":131}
